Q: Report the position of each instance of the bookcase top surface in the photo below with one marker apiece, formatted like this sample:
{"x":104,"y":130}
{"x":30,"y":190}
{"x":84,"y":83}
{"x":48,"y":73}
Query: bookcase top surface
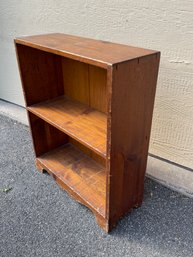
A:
{"x":97,"y":52}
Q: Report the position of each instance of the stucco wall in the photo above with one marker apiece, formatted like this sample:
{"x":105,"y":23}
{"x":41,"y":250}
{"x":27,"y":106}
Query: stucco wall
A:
{"x":162,"y":25}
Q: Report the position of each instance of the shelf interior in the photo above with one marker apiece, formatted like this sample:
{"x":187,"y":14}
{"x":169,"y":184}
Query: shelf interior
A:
{"x":79,"y":173}
{"x":68,"y":94}
{"x":67,"y":103}
{"x":79,"y":121}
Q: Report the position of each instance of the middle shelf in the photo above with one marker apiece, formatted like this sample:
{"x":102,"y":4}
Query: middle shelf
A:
{"x":81,"y":122}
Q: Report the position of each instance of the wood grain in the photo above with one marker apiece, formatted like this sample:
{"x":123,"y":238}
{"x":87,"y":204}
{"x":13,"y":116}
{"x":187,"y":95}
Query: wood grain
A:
{"x":80,"y":173}
{"x":45,"y":137}
{"x":90,"y":106}
{"x":77,"y":120}
{"x":133,"y":93}
{"x":98,"y":88}
{"x":41,"y":74}
{"x":98,"y":158}
{"x":75,"y":80}
{"x":96,"y":52}
{"x":85,"y":83}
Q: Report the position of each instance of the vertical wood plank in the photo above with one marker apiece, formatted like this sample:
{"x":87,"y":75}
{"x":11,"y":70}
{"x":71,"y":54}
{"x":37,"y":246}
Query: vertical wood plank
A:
{"x":98,"y":88}
{"x":133,"y":91}
{"x":75,"y":80}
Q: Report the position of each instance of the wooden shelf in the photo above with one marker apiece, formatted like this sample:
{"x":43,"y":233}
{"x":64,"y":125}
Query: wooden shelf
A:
{"x":85,"y":124}
{"x":90,"y":106}
{"x":79,"y":173}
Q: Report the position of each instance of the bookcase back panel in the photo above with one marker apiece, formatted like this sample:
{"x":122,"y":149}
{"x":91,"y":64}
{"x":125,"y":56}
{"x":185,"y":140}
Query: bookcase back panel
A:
{"x":88,"y":152}
{"x":85,"y":83}
{"x":98,"y":88}
{"x":75,"y":80}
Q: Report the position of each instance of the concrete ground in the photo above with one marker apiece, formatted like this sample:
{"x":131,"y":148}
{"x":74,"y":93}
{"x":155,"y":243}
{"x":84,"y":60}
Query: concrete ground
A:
{"x":37,"y":218}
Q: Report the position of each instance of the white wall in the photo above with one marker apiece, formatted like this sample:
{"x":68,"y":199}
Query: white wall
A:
{"x":157,"y":24}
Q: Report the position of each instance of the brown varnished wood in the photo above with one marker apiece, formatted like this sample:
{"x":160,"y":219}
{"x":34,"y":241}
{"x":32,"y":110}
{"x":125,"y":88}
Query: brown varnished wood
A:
{"x":75,"y":77}
{"x":78,"y":172}
{"x":133,"y":93}
{"x":98,"y":158}
{"x":85,"y":83}
{"x":69,"y":159}
{"x":100,"y":219}
{"x":90,"y":106}
{"x":41,"y":74}
{"x":82,"y":123}
{"x":98,"y":88}
{"x":45,"y":137}
{"x":96,"y":52}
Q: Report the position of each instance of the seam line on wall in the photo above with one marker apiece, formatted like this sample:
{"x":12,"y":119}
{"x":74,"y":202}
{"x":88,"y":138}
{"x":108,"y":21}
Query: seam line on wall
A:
{"x":170,"y":162}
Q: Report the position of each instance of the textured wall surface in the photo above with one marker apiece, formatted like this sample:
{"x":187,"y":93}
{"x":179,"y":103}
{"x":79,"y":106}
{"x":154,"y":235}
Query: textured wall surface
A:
{"x":158,"y":24}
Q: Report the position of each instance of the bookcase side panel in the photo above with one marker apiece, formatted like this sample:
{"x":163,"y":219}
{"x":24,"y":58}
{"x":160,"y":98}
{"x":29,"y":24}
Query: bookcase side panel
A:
{"x":45,"y":137}
{"x":133,"y":93}
{"x":41,"y":74}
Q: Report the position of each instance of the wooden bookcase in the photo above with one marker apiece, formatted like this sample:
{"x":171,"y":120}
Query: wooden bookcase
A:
{"x":90,"y":106}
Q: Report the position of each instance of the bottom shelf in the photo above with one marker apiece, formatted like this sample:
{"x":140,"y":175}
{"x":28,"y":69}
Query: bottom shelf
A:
{"x":78,"y":174}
